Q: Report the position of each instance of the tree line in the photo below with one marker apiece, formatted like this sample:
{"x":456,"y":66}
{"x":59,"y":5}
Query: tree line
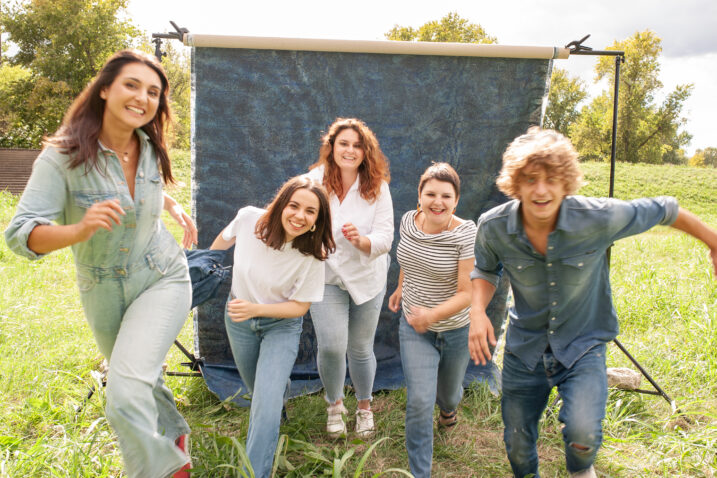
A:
{"x":59,"y":45}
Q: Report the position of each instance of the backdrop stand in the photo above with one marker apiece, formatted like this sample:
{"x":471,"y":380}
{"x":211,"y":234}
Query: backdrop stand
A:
{"x":575,"y":47}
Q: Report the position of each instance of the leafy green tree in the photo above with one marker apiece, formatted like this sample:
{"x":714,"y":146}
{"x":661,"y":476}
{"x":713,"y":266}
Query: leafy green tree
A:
{"x":63,"y":44}
{"x":704,"y":158}
{"x":647,"y":132}
{"x":451,"y":28}
{"x":565,"y":95}
{"x":178,"y":67}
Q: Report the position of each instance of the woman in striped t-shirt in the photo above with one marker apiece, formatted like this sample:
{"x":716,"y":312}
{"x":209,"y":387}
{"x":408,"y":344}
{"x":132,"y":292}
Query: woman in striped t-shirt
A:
{"x":434,"y":288}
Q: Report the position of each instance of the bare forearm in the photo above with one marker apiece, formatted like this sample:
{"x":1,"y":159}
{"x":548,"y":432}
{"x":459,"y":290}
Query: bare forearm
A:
{"x":364,"y":245}
{"x":48,"y":238}
{"x":222,"y":244}
{"x":452,"y":306}
{"x":482,"y":294}
{"x":283,"y":310}
{"x":692,"y":225}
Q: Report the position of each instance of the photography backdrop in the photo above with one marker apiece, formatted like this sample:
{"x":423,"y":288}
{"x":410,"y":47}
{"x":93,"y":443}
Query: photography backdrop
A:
{"x":259,"y":114}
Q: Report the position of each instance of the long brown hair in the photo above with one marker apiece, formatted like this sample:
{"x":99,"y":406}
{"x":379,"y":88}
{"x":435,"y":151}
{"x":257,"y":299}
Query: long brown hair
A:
{"x":319,"y":242}
{"x":372,"y":170}
{"x":80,"y":130}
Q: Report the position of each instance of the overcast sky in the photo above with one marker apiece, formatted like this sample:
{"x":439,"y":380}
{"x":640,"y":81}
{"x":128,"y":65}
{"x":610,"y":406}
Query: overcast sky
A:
{"x":687,"y":29}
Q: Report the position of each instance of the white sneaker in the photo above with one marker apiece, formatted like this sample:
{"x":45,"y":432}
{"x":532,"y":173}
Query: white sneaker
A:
{"x":589,"y":473}
{"x":364,"y":423}
{"x":335,"y":425}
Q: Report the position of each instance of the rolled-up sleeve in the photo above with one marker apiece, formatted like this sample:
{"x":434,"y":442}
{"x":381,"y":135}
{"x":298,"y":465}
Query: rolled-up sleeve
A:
{"x":487,"y":265}
{"x":42,"y":202}
{"x":381,"y":235}
{"x":634,"y":217}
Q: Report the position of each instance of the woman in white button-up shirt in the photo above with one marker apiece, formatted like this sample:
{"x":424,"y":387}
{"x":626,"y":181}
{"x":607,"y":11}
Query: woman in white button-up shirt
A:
{"x":355,"y":172}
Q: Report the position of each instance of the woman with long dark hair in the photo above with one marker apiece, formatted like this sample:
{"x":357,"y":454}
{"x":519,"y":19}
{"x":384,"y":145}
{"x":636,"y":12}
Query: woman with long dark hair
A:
{"x":355,"y":172}
{"x":97,"y":187}
{"x":278,"y":271}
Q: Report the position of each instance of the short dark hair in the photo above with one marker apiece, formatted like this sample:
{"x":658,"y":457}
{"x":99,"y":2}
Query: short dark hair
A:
{"x":441,"y":172}
{"x":319,"y":242}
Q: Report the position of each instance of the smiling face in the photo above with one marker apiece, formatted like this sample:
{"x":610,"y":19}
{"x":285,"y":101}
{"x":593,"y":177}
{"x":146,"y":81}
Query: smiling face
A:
{"x":299,"y":214}
{"x":348,"y":150}
{"x":541,"y":193}
{"x":131,"y":101}
{"x":438,"y":201}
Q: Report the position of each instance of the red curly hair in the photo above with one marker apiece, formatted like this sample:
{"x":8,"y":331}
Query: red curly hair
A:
{"x":373,"y":168}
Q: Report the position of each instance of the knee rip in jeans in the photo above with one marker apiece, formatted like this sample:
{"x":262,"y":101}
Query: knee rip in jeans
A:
{"x":582,"y":449}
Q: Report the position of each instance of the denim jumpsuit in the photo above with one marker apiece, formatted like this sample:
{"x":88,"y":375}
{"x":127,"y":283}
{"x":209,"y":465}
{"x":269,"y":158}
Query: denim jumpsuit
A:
{"x":134,"y":287}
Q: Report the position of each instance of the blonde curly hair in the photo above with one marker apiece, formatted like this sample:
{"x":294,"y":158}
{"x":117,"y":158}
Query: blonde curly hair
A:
{"x":543,"y":147}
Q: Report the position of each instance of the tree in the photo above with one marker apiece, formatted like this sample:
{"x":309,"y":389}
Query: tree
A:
{"x":704,"y":158}
{"x":563,"y":99}
{"x":63,"y":44}
{"x":177,"y":65}
{"x":647,"y":132}
{"x":451,"y":28}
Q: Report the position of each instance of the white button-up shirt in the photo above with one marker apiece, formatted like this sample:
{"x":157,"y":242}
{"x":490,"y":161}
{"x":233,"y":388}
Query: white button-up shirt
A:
{"x":362,"y":275}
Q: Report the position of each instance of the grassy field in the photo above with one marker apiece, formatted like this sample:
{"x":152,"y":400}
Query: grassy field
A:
{"x":664,"y":293}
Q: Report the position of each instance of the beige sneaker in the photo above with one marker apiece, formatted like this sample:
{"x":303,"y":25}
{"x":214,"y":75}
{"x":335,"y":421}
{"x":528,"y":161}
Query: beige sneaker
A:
{"x":335,"y":424}
{"x":364,"y":423}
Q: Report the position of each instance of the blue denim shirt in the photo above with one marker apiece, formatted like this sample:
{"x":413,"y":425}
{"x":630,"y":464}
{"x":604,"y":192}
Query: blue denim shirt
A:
{"x":563,"y":298}
{"x":57,"y":193}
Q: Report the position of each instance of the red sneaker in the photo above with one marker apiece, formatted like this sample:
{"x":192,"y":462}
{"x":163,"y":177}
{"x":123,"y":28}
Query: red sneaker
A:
{"x":182,"y":445}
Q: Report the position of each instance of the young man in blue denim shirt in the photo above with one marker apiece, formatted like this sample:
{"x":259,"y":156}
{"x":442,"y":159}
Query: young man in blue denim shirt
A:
{"x":552,"y":245}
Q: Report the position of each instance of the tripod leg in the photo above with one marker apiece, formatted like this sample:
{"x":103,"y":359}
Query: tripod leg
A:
{"x":648,"y":377}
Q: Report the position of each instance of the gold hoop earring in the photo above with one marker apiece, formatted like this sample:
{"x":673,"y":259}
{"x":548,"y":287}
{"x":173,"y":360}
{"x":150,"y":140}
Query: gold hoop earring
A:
{"x":418,"y":206}
{"x":313,"y":227}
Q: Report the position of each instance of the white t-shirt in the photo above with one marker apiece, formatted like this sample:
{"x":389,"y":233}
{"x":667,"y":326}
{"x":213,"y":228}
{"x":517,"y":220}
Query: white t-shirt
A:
{"x":264,"y":275}
{"x":362,"y":275}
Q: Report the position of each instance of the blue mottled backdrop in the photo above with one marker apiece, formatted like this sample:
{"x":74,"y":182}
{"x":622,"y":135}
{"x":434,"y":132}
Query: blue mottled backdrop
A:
{"x":258,"y":119}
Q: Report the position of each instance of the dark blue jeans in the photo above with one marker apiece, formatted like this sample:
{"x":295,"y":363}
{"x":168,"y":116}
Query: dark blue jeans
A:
{"x":583,"y":389}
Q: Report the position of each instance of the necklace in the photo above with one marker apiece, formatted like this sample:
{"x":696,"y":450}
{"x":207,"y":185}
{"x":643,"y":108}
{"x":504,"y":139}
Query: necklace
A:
{"x":447,"y":227}
{"x":124,"y":154}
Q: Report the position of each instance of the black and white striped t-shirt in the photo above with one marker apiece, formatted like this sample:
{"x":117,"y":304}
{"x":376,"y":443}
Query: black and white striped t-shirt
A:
{"x":430,"y":267}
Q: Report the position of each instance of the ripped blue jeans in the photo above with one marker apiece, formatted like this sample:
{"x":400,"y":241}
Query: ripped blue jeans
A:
{"x":583,"y":389}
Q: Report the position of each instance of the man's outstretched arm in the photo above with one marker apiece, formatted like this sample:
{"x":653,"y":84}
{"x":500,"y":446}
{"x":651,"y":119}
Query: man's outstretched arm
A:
{"x":692,"y":225}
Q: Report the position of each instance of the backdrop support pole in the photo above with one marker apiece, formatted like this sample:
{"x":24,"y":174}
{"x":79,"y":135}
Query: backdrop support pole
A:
{"x":576,"y":48}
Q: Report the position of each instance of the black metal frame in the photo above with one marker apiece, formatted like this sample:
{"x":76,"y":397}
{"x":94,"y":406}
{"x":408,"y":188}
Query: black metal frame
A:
{"x":576,"y":48}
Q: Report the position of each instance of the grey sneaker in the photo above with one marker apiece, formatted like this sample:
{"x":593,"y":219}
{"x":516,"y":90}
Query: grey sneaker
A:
{"x":364,"y":423}
{"x":335,"y":424}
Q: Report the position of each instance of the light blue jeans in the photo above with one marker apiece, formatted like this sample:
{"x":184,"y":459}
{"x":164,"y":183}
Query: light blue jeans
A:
{"x":135,"y":314}
{"x":583,"y":389}
{"x":264,"y":351}
{"x":434,"y":364}
{"x":346,"y":329}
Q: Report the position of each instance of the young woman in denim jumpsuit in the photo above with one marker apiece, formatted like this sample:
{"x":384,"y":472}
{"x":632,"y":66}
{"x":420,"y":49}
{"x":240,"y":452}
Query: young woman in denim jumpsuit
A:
{"x":278,"y":272}
{"x":100,"y":179}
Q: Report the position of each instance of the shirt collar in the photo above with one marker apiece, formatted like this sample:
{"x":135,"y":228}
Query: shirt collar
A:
{"x":514,"y":223}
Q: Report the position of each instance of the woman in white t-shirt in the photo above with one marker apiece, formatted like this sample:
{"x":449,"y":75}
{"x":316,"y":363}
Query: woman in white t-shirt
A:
{"x":355,"y":173}
{"x":436,"y":254}
{"x":278,"y":272}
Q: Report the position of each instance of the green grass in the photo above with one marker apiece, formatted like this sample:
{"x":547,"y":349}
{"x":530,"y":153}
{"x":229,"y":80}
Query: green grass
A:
{"x":664,"y":292}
